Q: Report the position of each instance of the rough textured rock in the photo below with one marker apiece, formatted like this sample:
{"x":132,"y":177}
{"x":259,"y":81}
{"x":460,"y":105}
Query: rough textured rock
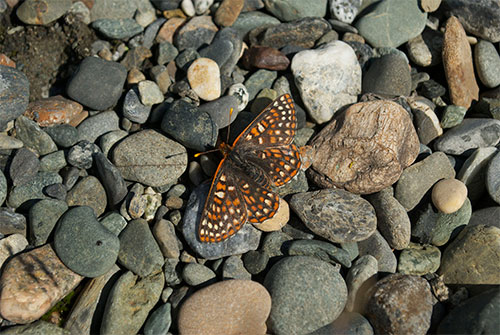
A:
{"x":457,"y":61}
{"x":365,"y":148}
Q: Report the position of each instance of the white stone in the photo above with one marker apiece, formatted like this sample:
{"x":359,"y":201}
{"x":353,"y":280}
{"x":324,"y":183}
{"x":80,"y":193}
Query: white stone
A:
{"x":145,"y":14}
{"x":188,"y":7}
{"x":328,"y":78}
{"x":241,"y":93}
{"x":344,"y":10}
{"x":11,"y":245}
{"x":150,"y":93}
{"x":204,"y":78}
{"x":201,"y":6}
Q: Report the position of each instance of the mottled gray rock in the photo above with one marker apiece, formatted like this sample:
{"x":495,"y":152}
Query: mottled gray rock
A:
{"x":419,"y":259}
{"x":34,"y":137}
{"x":378,"y":247}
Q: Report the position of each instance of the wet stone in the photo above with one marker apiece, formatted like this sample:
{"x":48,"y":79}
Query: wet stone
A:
{"x":42,"y":219}
{"x":139,"y":251}
{"x":117,"y":29}
{"x":34,"y":137}
{"x":83,"y":244}
{"x":64,"y":135}
{"x":88,"y":192}
{"x":336,"y":215}
{"x":14,"y":96}
{"x":24,"y":166}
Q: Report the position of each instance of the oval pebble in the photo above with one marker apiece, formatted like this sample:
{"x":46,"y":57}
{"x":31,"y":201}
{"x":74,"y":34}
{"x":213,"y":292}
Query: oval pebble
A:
{"x":229,"y":307}
{"x":448,"y":195}
{"x":204,"y":77}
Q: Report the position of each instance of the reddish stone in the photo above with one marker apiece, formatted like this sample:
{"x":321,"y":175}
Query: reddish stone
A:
{"x":53,"y":110}
{"x":265,"y":58}
{"x":228,"y":12}
{"x":458,"y":67}
{"x":167,"y":31}
{"x":4,"y":60}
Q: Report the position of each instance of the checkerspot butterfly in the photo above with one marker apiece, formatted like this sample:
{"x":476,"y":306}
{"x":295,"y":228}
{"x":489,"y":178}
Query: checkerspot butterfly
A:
{"x":261,"y":156}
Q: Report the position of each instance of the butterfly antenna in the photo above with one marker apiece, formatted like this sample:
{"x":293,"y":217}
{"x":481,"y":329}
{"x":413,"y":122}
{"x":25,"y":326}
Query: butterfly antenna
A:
{"x":198,"y":154}
{"x":229,"y":125}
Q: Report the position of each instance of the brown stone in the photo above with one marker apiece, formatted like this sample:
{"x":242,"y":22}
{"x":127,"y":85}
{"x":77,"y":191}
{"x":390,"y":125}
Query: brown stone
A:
{"x":4,"y":60}
{"x":365,"y":148}
{"x":458,"y":67}
{"x":32,"y":283}
{"x":229,"y":307}
{"x":265,"y":58}
{"x":228,"y":12}
{"x":53,"y":110}
{"x":167,"y":31}
{"x":174,"y":13}
{"x":135,"y":76}
{"x":135,"y":57}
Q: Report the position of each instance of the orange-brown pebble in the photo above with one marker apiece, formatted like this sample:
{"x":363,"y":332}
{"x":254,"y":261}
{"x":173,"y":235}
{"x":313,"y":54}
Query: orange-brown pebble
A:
{"x":278,"y":221}
{"x":53,"y":110}
{"x":5,"y":60}
{"x":135,"y":76}
{"x":167,"y":31}
{"x":448,"y":195}
{"x":229,"y":307}
{"x":228,"y":12}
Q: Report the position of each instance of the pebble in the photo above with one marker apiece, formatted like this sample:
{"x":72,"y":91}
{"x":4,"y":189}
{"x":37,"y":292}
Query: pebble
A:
{"x":220,"y":50}
{"x":255,"y":261}
{"x":108,"y":140}
{"x":112,"y":10}
{"x":3,"y":188}
{"x":33,"y":189}
{"x":426,"y":48}
{"x":273,"y":242}
{"x":452,"y":116}
{"x":314,"y":71}
{"x":114,"y":222}
{"x":97,"y":83}
{"x":247,"y":238}
{"x":54,"y":110}
{"x":492,"y":179}
{"x":63,"y":135}
{"x":159,"y":321}
{"x":129,"y":303}
{"x":388,"y":75}
{"x":472,"y":172}
{"x":42,"y":218}
{"x":164,"y":232}
{"x":166,"y":53}
{"x":343,"y":163}
{"x":233,"y":268}
{"x":248,"y":21}
{"x":481,"y":308}
{"x":240,"y":92}
{"x":33,"y":136}
{"x":11,"y":245}
{"x":32,"y":282}
{"x":344,"y":10}
{"x":419,"y":260}
{"x":265,"y":58}
{"x":198,"y":31}
{"x":222,"y":111}
{"x":478,"y":247}
{"x":83,"y":244}
{"x":150,"y":93}
{"x":487,"y":216}
{"x":139,"y":251}
{"x":11,"y":222}
{"x":188,"y":7}
{"x":117,"y":28}
{"x":24,"y":166}
{"x":390,"y":24}
{"x":9,"y":142}
{"x":487,"y":61}
{"x":354,"y":220}
{"x":99,"y":124}
{"x":458,"y":67}
{"x":202,"y":6}
{"x":392,"y":220}
{"x":192,"y":129}
{"x":53,"y":162}
{"x":318,"y":249}
{"x":430,"y":5}
{"x":363,"y":273}
{"x":258,"y":81}
{"x":295,"y":9}
{"x":135,"y":57}
{"x":38,"y":327}
{"x":195,"y":274}
{"x":390,"y":309}
{"x":246,"y":305}
{"x":134,"y":109}
{"x":470,"y":134}
{"x":111,"y":178}
{"x":81,"y":154}
{"x":346,"y":323}
{"x":377,"y":246}
{"x":204,"y":78}
{"x":449,"y":195}
{"x":88,"y":192}
{"x":42,"y":12}
{"x":161,"y":77}
{"x":168,"y":29}
{"x":417,"y":179}
{"x":320,"y":295}
{"x":228,"y":12}
{"x":150,"y":158}
{"x":437,"y":228}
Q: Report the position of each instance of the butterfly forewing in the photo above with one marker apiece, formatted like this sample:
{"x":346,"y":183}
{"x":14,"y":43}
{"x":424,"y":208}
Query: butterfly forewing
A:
{"x":225,"y":209}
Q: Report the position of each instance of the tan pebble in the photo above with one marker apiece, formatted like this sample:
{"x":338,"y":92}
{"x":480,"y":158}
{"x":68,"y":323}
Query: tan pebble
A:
{"x":135,"y":76}
{"x":167,"y":31}
{"x":228,"y":307}
{"x":228,"y":12}
{"x":32,"y":283}
{"x":448,"y":195}
{"x":204,"y":77}
{"x":278,"y":221}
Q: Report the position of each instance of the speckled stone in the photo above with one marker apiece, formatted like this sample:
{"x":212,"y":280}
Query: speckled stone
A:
{"x":33,"y":136}
{"x":33,"y":189}
{"x":419,"y":260}
{"x":88,"y":192}
{"x":14,"y":96}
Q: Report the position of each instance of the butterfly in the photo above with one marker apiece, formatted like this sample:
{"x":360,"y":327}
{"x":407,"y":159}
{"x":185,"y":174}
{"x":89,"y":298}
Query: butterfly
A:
{"x":262,"y":156}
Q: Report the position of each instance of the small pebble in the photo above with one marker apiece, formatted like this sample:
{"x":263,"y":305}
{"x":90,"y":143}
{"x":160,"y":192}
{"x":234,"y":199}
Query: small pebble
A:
{"x":448,"y":195}
{"x":204,"y":77}
{"x":150,"y":93}
{"x":42,"y":12}
{"x":487,"y":62}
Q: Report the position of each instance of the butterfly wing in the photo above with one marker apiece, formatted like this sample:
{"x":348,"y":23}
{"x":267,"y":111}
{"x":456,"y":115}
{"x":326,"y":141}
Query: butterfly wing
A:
{"x":225,"y":210}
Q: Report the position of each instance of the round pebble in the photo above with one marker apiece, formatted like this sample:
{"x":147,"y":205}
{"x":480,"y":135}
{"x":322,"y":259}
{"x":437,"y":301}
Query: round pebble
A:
{"x":24,"y":166}
{"x":99,"y":124}
{"x":134,"y":109}
{"x":204,"y":77}
{"x":197,"y":274}
{"x":448,"y":195}
{"x":117,"y":28}
{"x":493,"y":178}
{"x":487,"y":62}
{"x":245,"y":304}
{"x":83,"y":244}
{"x":150,"y":93}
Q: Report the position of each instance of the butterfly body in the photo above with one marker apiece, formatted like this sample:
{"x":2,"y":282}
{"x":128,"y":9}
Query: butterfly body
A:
{"x":262,"y":156}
